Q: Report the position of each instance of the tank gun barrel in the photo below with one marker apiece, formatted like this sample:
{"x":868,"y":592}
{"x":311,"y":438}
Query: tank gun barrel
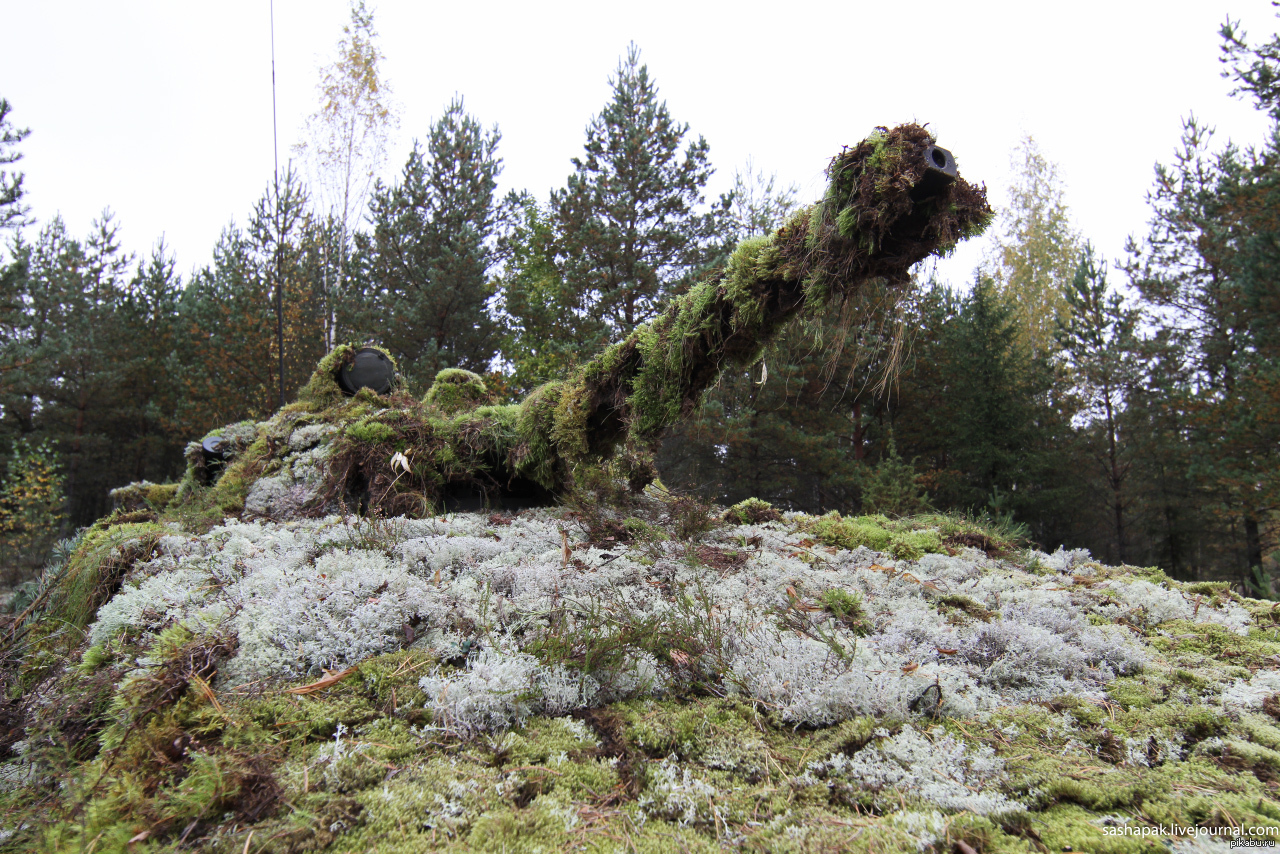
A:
{"x":891,"y":201}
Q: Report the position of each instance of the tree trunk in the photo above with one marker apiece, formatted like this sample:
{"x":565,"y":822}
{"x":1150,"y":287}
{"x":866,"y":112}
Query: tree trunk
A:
{"x":859,"y":433}
{"x":74,"y":463}
{"x":1252,"y":544}
{"x":1115,"y":475}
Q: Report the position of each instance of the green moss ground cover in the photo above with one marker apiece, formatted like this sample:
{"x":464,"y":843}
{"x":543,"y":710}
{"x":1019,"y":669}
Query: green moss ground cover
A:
{"x":150,"y":737}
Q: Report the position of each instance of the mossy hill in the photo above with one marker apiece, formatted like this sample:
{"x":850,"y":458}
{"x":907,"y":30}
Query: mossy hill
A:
{"x":654,"y":676}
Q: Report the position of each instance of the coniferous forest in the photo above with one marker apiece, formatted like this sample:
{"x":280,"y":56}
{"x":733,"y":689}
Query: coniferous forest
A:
{"x":1129,"y":406}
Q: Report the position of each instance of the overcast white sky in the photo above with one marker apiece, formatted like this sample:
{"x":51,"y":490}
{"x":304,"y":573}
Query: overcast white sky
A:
{"x":162,"y":110}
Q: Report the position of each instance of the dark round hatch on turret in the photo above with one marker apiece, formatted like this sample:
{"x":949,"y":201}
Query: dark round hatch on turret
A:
{"x":215,"y":449}
{"x":369,"y":369}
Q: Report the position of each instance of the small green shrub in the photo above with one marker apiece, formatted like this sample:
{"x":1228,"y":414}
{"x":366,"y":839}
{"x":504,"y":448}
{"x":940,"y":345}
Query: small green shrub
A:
{"x":639,"y":529}
{"x":690,"y":518}
{"x":891,"y":487}
{"x":753,"y":511}
{"x":847,"y":608}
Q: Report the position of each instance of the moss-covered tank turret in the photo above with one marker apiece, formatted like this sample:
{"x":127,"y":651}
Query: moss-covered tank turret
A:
{"x":891,"y":201}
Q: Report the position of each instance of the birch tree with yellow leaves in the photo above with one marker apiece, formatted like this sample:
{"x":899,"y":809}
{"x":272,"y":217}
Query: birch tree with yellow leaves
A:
{"x":1037,"y":250}
{"x":346,"y":142}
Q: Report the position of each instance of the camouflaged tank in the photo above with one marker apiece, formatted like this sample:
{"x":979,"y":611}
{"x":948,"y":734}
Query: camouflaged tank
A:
{"x":358,"y":439}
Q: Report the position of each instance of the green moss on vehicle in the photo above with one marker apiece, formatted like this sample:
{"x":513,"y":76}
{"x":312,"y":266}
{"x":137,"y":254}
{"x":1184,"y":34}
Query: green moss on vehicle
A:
{"x":456,"y":390}
{"x":370,"y":432}
{"x":144,"y":495}
{"x":621,"y":402}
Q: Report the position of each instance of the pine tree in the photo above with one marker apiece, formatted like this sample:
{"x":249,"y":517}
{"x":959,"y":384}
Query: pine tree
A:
{"x":1172,"y":526}
{"x":1183,"y":269}
{"x":86,"y":361}
{"x":289,"y":252}
{"x":226,"y":318}
{"x":1191,"y":274}
{"x":1250,"y":463}
{"x":12,"y":212}
{"x":544,"y":320}
{"x":151,"y":417}
{"x":87,"y":282}
{"x":425,"y":267}
{"x":231,"y":358}
{"x":989,"y":405}
{"x":1253,"y":197}
{"x":631,"y":228}
{"x":1099,"y":341}
{"x":983,"y":418}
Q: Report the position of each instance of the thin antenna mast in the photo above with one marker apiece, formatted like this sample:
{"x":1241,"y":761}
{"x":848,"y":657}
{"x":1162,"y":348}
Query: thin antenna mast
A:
{"x":275,"y":154}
